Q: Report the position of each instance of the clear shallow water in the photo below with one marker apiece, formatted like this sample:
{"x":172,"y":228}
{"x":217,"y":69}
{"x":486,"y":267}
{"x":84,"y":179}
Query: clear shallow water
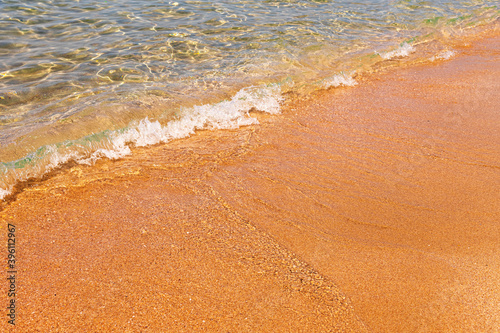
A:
{"x":69,"y":69}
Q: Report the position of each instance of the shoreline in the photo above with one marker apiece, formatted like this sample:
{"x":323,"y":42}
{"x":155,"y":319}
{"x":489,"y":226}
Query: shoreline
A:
{"x":31,"y":157}
{"x":374,"y":206}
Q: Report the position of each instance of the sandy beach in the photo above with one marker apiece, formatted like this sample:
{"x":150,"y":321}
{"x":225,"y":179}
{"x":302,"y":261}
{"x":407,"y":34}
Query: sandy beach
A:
{"x":373,"y":208}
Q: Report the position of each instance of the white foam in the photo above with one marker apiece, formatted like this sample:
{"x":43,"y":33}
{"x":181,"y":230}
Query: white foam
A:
{"x":4,"y":193}
{"x":117,"y":151}
{"x":340,"y":80}
{"x":229,"y":114}
{"x":233,"y":113}
{"x":402,"y":51}
{"x":443,"y":55}
{"x":223,"y":115}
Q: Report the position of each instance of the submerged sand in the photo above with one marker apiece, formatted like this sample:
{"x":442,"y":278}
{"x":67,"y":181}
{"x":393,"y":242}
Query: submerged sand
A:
{"x":373,"y":208}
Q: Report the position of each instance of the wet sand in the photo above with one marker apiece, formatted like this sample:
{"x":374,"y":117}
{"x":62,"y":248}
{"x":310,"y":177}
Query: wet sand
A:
{"x":374,"y":208}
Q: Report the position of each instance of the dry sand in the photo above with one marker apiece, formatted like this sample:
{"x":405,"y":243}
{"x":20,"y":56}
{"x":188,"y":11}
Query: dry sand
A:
{"x":374,"y":208}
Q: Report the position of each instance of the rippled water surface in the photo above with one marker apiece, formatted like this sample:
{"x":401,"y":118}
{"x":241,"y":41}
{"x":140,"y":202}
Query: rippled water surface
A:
{"x":84,"y":62}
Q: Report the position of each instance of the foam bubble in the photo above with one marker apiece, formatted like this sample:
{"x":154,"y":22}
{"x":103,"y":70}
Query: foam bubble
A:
{"x":402,"y":51}
{"x":4,"y":193}
{"x":340,"y":80}
{"x":443,"y":55}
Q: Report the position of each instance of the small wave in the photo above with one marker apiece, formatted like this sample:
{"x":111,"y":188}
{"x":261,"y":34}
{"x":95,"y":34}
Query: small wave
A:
{"x":402,"y":51}
{"x":228,"y":114}
{"x":224,"y":115}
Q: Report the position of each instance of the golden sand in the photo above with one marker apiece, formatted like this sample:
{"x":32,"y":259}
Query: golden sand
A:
{"x":374,"y":208}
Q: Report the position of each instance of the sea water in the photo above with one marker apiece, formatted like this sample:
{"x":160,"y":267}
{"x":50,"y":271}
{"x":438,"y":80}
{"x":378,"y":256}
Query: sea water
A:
{"x":84,"y":80}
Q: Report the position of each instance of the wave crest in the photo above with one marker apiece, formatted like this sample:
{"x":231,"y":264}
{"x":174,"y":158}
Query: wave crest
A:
{"x":227,"y":114}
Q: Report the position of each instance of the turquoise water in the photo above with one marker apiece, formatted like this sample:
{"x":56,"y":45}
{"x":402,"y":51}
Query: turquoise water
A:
{"x":69,"y":69}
